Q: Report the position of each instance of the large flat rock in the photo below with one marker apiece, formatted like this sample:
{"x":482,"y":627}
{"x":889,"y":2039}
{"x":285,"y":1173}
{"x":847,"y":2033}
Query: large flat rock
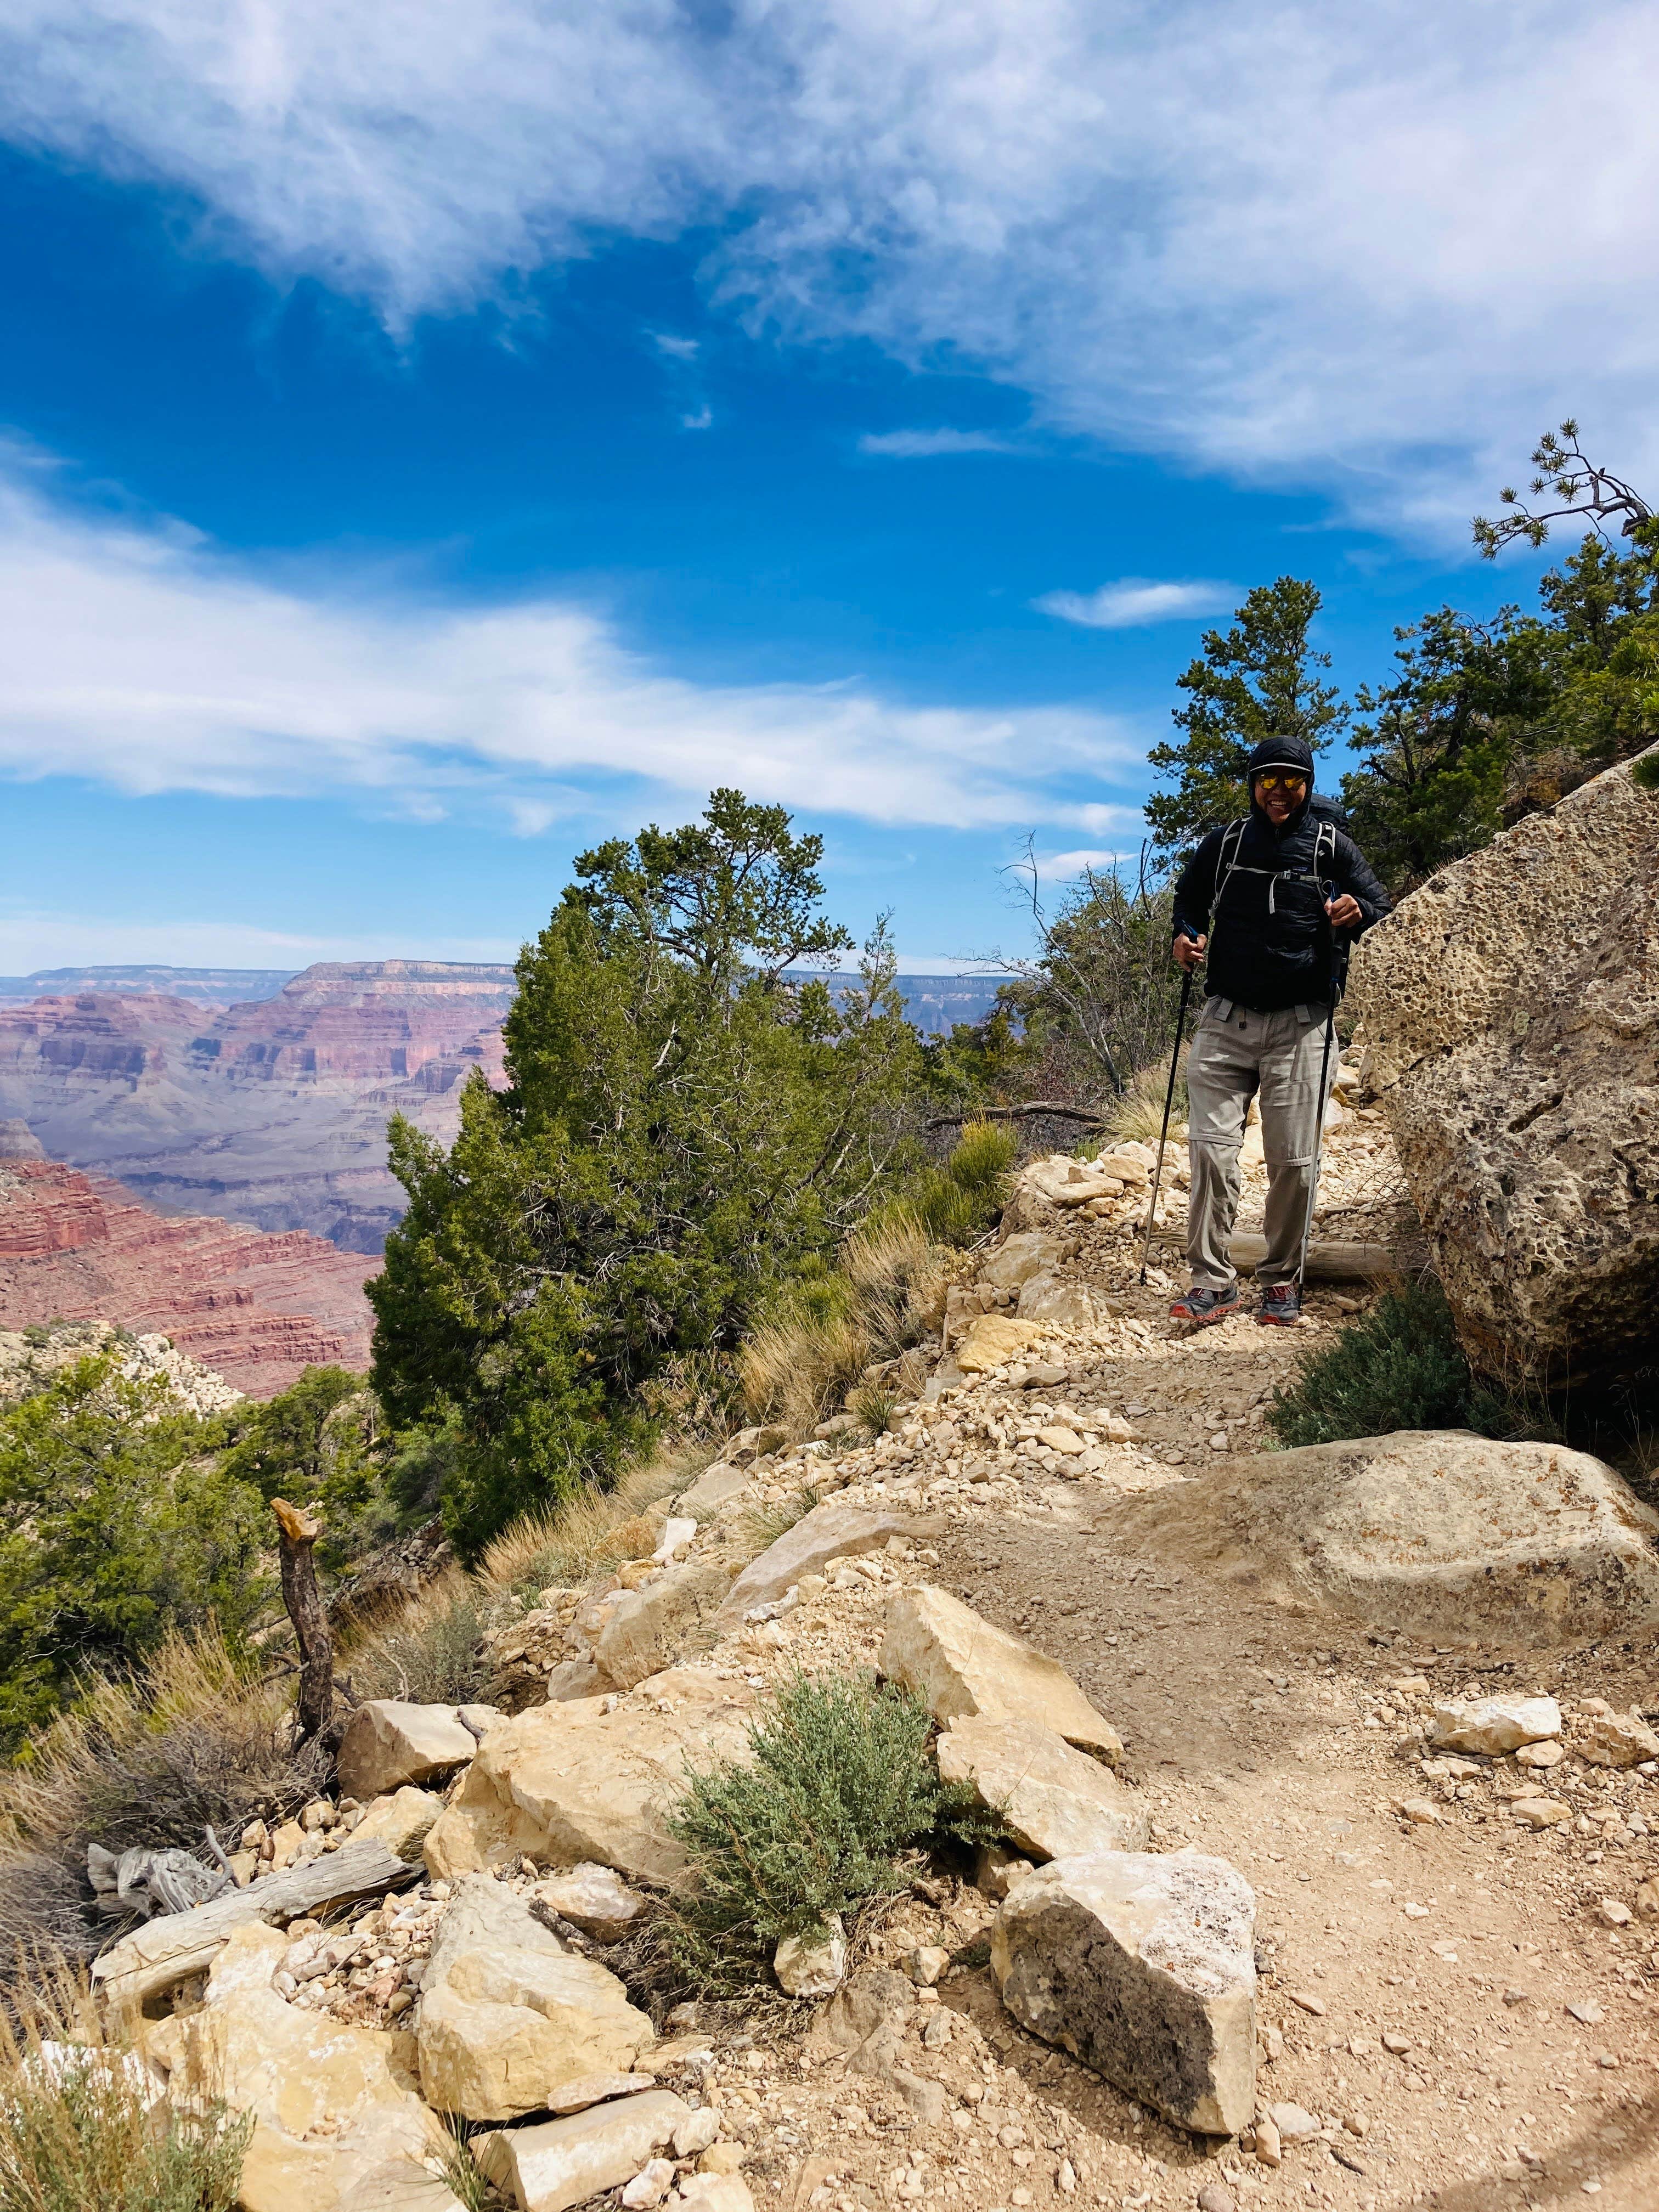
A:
{"x":509,"y":2016}
{"x":564,"y":2162}
{"x":388,"y":1743}
{"x":1142,"y":1967}
{"x":1510,"y":1009}
{"x":961,"y":1667}
{"x":565,"y":1784}
{"x":1437,"y":1531}
{"x":645,"y":1628}
{"x":836,"y":1529}
{"x":1053,"y":1801}
{"x":335,"y":2108}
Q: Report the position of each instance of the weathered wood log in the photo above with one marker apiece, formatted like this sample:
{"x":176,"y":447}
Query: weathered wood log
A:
{"x":1037,"y":1109}
{"x":1329,"y":1262}
{"x":299,"y":1530}
{"x":164,"y":1952}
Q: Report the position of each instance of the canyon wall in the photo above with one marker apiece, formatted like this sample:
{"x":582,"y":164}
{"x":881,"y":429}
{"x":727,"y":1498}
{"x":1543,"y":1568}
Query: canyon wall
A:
{"x":255,"y":1308}
{"x":273,"y":1111}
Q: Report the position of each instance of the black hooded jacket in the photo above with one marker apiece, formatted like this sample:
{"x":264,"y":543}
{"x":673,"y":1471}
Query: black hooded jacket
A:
{"x":1270,"y":943}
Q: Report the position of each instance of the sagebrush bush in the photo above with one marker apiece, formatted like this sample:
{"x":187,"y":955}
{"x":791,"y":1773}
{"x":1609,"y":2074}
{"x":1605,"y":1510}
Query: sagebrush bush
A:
{"x":1399,"y":1367}
{"x":428,"y":1653}
{"x":838,"y":1797}
{"x":77,"y":2133}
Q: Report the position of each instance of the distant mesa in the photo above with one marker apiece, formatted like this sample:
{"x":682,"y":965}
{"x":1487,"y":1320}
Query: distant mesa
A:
{"x":270,"y":1104}
{"x":213,"y":986}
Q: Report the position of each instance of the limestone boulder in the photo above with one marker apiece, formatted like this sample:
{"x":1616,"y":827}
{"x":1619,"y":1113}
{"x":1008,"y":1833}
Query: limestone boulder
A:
{"x":1446,"y":1534}
{"x":1053,"y":1801}
{"x":1618,"y":1740}
{"x":388,"y":1743}
{"x":1510,"y":1009}
{"x":961,"y":1667}
{"x":595,"y":1899}
{"x":1492,"y":1726}
{"x":402,"y":1821}
{"x":508,"y":2014}
{"x":1018,"y":1258}
{"x":812,"y":1965}
{"x":715,"y":1490}
{"x":335,"y":2109}
{"x":1142,"y":1967}
{"x":991,"y":1341}
{"x":1066,"y":1305}
{"x":564,"y":2162}
{"x":645,"y":1633}
{"x":565,"y":1783}
{"x":835,"y":1529}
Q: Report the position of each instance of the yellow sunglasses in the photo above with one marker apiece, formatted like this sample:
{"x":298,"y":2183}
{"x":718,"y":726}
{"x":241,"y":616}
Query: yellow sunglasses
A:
{"x":1283,"y":782}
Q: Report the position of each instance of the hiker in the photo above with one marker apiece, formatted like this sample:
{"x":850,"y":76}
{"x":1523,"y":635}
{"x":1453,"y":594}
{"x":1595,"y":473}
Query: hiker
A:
{"x":1259,"y":887}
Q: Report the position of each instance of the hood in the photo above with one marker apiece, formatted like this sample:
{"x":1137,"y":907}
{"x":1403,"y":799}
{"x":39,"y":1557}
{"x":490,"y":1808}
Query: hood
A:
{"x":1293,"y":753}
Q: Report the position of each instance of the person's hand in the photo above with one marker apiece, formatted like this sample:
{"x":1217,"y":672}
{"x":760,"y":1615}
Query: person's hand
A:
{"x":1344,"y":912}
{"x":1189,"y":951}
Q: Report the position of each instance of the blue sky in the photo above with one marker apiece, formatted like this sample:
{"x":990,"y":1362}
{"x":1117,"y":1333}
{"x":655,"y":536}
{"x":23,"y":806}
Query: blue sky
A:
{"x":434,"y":440}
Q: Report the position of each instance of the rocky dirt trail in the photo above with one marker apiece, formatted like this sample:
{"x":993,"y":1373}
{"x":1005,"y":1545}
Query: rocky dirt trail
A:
{"x":1457,"y":1947}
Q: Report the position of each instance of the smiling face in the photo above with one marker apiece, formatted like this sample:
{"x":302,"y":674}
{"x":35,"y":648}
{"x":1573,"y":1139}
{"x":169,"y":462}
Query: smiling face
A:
{"x":1278,"y":794}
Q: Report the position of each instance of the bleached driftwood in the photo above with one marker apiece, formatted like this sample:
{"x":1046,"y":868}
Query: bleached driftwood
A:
{"x":164,"y":1952}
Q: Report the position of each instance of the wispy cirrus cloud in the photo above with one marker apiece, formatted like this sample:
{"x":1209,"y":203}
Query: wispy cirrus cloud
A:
{"x":926,"y":445}
{"x":1135,"y":602}
{"x":138,"y":654}
{"x":1373,"y":247}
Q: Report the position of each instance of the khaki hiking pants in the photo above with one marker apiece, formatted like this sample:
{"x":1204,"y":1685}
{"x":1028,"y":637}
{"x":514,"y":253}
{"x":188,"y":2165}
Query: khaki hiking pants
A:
{"x":1235,"y":1052}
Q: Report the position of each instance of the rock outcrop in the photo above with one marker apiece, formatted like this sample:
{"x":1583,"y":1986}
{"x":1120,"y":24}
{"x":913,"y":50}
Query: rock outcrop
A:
{"x":509,"y":2015}
{"x":1144,"y":1968}
{"x":1440,"y":1531}
{"x":255,"y":1308}
{"x":565,"y":1783}
{"x":388,"y":1743}
{"x":335,"y":2107}
{"x":962,"y":1666}
{"x":1512,"y":1012}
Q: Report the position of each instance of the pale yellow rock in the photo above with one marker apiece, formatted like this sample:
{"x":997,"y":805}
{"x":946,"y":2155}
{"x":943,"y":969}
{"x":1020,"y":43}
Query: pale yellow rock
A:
{"x":334,"y":2107}
{"x":834,"y":1529}
{"x":1052,"y":1800}
{"x":402,"y":1821}
{"x":646,"y":1632}
{"x":991,"y":1341}
{"x":1619,"y":1740}
{"x":388,"y":1743}
{"x":509,"y":2015}
{"x":285,"y":1844}
{"x":1061,"y":1439}
{"x":1018,"y":1258}
{"x":565,"y":1783}
{"x":564,"y":2162}
{"x":716,"y":2190}
{"x":1508,"y":1006}
{"x":961,"y":1667}
{"x":1065,"y":1304}
{"x":1540,"y":1812}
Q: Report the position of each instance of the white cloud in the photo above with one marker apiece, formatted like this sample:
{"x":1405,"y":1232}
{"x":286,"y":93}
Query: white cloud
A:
{"x":46,"y":938}
{"x":141,"y":656}
{"x":699,"y":419}
{"x":1378,"y":246}
{"x":675,"y":348}
{"x":924,"y":444}
{"x":1132,"y":602}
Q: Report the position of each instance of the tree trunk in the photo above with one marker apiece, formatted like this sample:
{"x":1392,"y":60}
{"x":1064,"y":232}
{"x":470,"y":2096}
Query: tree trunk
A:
{"x":299,"y":1529}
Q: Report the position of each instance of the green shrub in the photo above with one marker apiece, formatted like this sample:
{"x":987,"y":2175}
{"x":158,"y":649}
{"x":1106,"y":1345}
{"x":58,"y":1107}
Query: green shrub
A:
{"x":76,"y":2133}
{"x":958,"y":1199}
{"x":1399,"y":1367}
{"x":429,"y":1656}
{"x":838,"y":1798}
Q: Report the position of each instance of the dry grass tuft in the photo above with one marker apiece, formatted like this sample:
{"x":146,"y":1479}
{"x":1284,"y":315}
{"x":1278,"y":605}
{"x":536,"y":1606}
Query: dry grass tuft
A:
{"x":1138,"y":1116}
{"x":83,"y":2124}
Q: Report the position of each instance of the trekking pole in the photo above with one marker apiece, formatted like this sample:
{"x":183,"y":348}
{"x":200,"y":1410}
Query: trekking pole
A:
{"x":1319,"y":1127}
{"x":1169,"y":1101}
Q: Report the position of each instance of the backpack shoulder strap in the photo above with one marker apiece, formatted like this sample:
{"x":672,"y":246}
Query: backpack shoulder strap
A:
{"x":1227,"y":859}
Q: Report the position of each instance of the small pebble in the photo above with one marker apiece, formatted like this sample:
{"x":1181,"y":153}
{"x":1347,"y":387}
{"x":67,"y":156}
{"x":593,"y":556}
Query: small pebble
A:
{"x":1213,"y":2197}
{"x":1314,"y":2005}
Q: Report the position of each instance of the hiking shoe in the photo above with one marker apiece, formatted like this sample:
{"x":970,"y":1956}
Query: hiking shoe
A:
{"x":1205,"y":1307}
{"x":1281,"y":1306}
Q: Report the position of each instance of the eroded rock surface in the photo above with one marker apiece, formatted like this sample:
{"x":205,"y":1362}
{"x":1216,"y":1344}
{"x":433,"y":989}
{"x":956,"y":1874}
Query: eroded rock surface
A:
{"x":1435,"y":1530}
{"x":961,"y":1667}
{"x":389,"y":1743}
{"x":1053,"y":1801}
{"x":1143,"y":1967}
{"x":1512,"y":1012}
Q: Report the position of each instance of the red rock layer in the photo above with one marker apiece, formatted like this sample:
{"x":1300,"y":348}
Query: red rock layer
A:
{"x":256,"y":1307}
{"x":379,"y":1021}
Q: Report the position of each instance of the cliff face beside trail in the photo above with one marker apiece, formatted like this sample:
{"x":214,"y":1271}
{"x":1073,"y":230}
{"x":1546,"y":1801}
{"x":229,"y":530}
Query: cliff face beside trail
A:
{"x":273,"y":1111}
{"x":255,"y":1308}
